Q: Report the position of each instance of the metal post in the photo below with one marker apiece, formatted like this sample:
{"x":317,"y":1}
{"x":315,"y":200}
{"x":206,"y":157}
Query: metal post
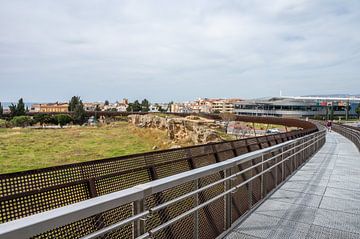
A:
{"x":282,"y":165}
{"x":196,"y":214}
{"x":227,"y":200}
{"x":303,"y":151}
{"x":250,"y":188}
{"x":138,"y":225}
{"x":276,"y":171}
{"x":262,"y":177}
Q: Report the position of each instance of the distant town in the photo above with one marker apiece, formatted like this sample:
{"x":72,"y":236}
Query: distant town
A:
{"x":275,"y":106}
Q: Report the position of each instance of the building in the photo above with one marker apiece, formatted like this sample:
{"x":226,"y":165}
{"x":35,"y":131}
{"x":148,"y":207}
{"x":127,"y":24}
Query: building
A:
{"x":205,"y":105}
{"x":297,"y":107}
{"x":93,"y":106}
{"x":224,"y":105}
{"x":50,"y":108}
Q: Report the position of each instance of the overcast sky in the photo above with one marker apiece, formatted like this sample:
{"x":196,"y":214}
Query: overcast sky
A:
{"x":177,"y":50}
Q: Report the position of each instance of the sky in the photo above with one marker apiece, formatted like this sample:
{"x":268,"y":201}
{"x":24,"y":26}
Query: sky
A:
{"x":177,"y":50}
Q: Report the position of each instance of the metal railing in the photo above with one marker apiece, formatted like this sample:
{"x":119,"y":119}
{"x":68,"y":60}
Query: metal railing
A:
{"x":351,"y":133}
{"x":224,"y":191}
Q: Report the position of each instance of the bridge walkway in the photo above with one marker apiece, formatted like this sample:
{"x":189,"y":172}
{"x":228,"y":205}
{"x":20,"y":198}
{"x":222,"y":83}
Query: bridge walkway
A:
{"x":321,"y":200}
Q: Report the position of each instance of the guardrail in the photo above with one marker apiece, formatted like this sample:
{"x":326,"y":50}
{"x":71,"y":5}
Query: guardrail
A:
{"x":349,"y":132}
{"x":201,"y":203}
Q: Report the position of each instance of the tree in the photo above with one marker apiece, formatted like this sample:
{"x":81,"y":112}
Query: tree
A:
{"x":21,"y":121}
{"x":358,"y":110}
{"x":227,"y":117}
{"x":145,"y":105}
{"x":160,"y":109}
{"x":169,"y":106}
{"x":1,"y":109}
{"x":106,"y":102}
{"x":216,"y":112}
{"x":134,"y":107}
{"x":77,"y":107}
{"x":97,"y":108}
{"x":44,"y":119}
{"x":79,"y":113}
{"x":63,"y":119}
{"x":19,"y":109}
{"x":75,"y":100}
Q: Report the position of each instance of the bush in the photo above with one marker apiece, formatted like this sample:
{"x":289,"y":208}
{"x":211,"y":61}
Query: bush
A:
{"x":21,"y":121}
{"x":44,"y":119}
{"x":63,"y":119}
{"x":4,"y":123}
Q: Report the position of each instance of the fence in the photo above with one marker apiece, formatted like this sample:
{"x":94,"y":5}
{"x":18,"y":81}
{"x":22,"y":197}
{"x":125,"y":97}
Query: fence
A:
{"x":349,"y":132}
{"x":201,"y":203}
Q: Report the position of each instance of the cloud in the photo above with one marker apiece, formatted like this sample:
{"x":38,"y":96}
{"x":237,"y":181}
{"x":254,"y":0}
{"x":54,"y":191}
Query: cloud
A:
{"x":176,"y":50}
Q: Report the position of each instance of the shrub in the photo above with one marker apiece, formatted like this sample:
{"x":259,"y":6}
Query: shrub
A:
{"x":63,"y":119}
{"x":4,"y":123}
{"x":21,"y":121}
{"x":44,"y":119}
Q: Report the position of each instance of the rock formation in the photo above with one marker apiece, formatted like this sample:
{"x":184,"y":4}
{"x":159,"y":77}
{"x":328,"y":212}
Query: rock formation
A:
{"x":194,"y":129}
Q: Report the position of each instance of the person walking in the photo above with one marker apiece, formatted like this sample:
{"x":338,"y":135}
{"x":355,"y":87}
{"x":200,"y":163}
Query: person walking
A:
{"x":329,"y":125}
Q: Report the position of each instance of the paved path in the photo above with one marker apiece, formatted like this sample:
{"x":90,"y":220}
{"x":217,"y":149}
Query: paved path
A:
{"x":322,"y":200}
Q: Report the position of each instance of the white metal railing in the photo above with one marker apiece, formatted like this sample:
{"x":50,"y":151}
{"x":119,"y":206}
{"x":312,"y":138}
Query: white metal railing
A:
{"x":294,"y":153}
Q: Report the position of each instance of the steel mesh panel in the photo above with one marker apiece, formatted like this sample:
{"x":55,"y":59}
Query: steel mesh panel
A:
{"x":164,"y":157}
{"x":252,"y":144}
{"x":115,"y":165}
{"x":74,"y":230}
{"x":180,"y":228}
{"x":204,"y":160}
{"x":16,"y":208}
{"x":256,"y":183}
{"x":222,"y":156}
{"x":120,"y":182}
{"x":186,"y":232}
{"x":269,"y":177}
{"x":115,"y":215}
{"x":24,"y":182}
{"x":279,"y":168}
{"x":271,"y":140}
{"x":240,"y":198}
{"x":215,"y":210}
{"x":183,"y":228}
{"x":263,"y":142}
{"x":207,"y":229}
{"x":222,"y":147}
{"x":171,"y":169}
{"x":157,"y":218}
{"x":201,"y":150}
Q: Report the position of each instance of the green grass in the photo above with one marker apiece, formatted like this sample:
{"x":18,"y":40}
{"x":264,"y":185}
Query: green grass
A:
{"x":24,"y":149}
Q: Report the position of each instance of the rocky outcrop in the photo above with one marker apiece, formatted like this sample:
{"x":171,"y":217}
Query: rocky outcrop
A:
{"x":196,"y":130}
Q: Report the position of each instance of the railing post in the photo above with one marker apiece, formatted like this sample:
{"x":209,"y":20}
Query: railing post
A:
{"x":303,"y":151}
{"x":138,"y":225}
{"x":227,"y":200}
{"x":276,"y":171}
{"x":262,"y":177}
{"x":250,"y":194}
{"x":282,"y":165}
{"x":196,"y":213}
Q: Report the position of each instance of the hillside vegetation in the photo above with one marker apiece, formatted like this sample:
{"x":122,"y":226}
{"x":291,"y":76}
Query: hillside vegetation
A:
{"x":24,"y":149}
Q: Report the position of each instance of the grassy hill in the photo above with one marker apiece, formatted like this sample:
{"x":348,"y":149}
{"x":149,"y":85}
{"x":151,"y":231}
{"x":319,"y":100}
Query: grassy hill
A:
{"x":24,"y":149}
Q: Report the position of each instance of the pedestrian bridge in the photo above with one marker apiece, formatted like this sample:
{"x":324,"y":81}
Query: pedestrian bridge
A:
{"x":321,"y":200}
{"x":307,"y":187}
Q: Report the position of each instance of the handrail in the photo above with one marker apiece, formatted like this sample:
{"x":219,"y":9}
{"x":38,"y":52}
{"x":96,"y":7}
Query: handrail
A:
{"x":42,"y":222}
{"x":350,"y":133}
